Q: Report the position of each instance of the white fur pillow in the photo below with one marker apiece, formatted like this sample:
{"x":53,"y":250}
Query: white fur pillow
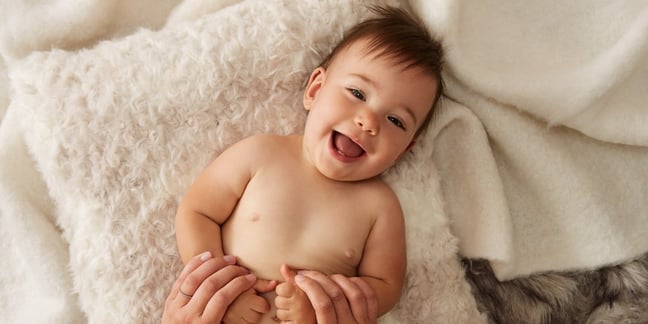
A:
{"x":120,"y":130}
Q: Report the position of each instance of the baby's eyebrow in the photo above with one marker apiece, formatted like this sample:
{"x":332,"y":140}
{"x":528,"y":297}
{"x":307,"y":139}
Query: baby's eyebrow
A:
{"x":364,"y":79}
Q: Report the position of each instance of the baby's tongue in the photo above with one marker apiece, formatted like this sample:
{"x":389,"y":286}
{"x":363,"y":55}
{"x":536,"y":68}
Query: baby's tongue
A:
{"x":346,"y":146}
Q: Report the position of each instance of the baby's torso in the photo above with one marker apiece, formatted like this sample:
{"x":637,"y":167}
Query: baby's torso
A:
{"x":290,"y":214}
{"x":284,"y":217}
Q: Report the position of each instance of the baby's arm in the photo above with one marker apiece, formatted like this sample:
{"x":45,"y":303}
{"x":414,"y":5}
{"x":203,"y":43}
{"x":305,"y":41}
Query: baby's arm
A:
{"x":207,"y":204}
{"x":209,"y":201}
{"x":384,"y":260}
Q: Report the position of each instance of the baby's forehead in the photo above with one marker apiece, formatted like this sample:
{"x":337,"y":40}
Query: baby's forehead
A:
{"x":362,"y":46}
{"x":370,"y":51}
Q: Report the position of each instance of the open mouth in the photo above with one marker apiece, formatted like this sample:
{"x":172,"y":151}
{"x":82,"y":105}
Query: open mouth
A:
{"x":346,"y":147}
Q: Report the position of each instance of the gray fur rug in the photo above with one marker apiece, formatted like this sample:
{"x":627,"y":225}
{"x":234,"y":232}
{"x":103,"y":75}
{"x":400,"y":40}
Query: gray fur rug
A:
{"x":615,"y":294}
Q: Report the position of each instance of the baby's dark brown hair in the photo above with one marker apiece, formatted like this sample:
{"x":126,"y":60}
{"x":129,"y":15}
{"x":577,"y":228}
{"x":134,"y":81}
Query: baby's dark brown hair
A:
{"x":396,"y":34}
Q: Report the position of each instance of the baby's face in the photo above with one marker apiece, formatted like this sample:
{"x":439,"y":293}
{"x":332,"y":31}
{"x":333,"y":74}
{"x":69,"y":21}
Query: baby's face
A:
{"x":364,"y":112}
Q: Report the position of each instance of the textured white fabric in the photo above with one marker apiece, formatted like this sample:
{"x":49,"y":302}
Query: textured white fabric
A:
{"x":117,"y":132}
{"x":543,"y":151}
{"x":29,"y":25}
{"x":34,"y":256}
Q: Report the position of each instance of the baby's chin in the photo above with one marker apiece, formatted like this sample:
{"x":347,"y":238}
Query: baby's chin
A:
{"x":337,"y":175}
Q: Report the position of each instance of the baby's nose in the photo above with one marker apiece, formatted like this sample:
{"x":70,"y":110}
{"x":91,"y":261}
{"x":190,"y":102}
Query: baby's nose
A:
{"x":367,"y":121}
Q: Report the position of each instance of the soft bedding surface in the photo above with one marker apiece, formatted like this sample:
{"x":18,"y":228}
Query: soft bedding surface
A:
{"x":117,"y":132}
{"x":535,"y":171}
{"x":544,"y":163}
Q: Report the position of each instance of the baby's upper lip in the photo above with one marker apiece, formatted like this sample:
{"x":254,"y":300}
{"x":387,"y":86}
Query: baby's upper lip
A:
{"x":355,"y":139}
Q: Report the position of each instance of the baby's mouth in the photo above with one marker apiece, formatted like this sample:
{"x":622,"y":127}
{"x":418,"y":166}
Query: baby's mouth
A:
{"x":346,"y":146}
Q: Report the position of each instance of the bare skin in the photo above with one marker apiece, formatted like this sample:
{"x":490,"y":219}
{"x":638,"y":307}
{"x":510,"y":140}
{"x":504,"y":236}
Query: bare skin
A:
{"x":207,"y":286}
{"x":314,"y":201}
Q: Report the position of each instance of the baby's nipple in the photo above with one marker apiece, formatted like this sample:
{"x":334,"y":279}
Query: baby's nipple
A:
{"x":255,"y":217}
{"x":349,"y":253}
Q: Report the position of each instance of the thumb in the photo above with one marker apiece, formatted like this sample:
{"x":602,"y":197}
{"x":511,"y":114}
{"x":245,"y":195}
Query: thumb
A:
{"x":288,"y":273}
{"x":264,"y":286}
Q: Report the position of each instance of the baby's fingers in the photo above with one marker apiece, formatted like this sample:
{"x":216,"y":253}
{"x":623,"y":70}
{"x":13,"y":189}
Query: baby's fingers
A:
{"x":288,"y":273}
{"x":282,"y":302}
{"x":285,"y":289}
{"x":263,"y":286}
{"x":258,"y":304}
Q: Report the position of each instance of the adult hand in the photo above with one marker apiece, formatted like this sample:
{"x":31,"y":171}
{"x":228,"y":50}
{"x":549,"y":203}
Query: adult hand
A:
{"x":339,"y":299}
{"x":205,"y":288}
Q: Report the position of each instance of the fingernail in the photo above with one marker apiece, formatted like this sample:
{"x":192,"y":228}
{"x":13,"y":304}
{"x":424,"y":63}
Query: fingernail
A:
{"x":205,"y":256}
{"x":250,"y":277}
{"x":229,"y":259}
{"x":299,"y":278}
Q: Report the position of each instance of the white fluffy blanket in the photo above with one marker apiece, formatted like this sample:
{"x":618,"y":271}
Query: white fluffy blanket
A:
{"x":538,"y":155}
{"x":542,"y":147}
{"x":98,"y":145}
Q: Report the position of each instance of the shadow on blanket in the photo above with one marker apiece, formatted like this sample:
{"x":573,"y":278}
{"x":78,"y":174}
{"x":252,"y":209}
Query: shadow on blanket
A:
{"x":615,"y":294}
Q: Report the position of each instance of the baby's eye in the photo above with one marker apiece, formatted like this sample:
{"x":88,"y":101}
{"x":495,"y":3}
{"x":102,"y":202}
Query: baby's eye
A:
{"x":357,"y":93}
{"x":397,"y":122}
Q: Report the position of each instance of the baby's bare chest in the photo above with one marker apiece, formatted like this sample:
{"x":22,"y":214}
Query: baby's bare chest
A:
{"x":282,"y":219}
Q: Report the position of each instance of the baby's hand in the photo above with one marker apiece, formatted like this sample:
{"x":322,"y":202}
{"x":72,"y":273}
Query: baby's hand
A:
{"x":249,"y":307}
{"x":292,"y":303}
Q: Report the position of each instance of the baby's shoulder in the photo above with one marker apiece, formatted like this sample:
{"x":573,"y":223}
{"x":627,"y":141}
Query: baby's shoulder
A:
{"x":388,"y":206}
{"x":262,"y":143}
{"x":265,"y":150}
{"x":380,"y":194}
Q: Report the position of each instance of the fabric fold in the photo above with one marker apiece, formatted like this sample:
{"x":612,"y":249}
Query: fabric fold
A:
{"x":573,"y":202}
{"x":35,"y":275}
{"x":473,"y":192}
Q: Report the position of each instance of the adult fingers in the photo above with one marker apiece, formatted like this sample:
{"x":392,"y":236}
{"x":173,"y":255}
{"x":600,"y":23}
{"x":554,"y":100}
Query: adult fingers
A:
{"x":192,"y":265}
{"x":322,"y":303}
{"x":370,"y":297}
{"x":175,"y":308}
{"x":354,"y":296}
{"x":220,"y":290}
{"x":210,"y":278}
{"x":334,"y":297}
{"x":360,"y":296}
{"x":206,"y":267}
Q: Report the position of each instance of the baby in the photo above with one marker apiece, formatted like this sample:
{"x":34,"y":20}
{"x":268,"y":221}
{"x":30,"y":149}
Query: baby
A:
{"x":316,"y":200}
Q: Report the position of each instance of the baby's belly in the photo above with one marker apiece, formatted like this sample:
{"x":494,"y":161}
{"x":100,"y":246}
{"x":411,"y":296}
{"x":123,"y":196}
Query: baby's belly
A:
{"x":264,"y":244}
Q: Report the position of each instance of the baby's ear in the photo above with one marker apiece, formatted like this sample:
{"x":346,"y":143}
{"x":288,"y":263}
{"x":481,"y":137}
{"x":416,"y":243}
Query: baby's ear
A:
{"x":314,"y":84}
